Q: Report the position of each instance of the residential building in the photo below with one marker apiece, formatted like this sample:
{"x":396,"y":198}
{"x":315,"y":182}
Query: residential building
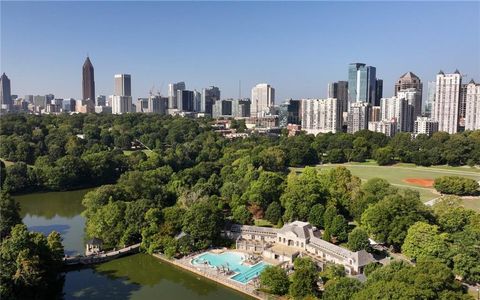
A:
{"x":290,"y":112}
{"x":375,"y":114}
{"x":321,"y":115}
{"x":142,"y":105}
{"x":209,"y":97}
{"x":5,"y":93}
{"x":388,"y":128}
{"x":222,"y":109}
{"x":123,"y":85}
{"x":241,"y":108}
{"x":472,"y":112}
{"x":358,"y":116}
{"x":398,"y":109}
{"x":297,"y":239}
{"x":425,"y":125}
{"x":339,"y":90}
{"x":414,"y":98}
{"x":157,"y":105}
{"x":185,"y":100}
{"x":88,"y":82}
{"x":361,"y":83}
{"x":263,"y":98}
{"x":172,"y":93}
{"x":408,"y":81}
{"x":121,"y":104}
{"x":103,"y":109}
{"x":447,"y":99}
{"x":462,"y":105}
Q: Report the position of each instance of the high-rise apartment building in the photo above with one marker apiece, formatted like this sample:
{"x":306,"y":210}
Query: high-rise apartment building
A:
{"x":121,"y":104}
{"x":398,"y":109}
{"x":462,"y":105}
{"x":408,"y":81}
{"x":424,"y":125}
{"x":209,"y":97}
{"x":361,"y":83}
{"x":339,"y":90}
{"x":263,"y":98}
{"x":414,"y":98}
{"x":123,"y":85}
{"x":172,"y":93}
{"x":241,"y":108}
{"x":321,"y":115}
{"x":375,"y":114}
{"x":5,"y":93}
{"x":388,"y":128}
{"x":447,"y":99}
{"x":357,"y":118}
{"x":222,"y":108}
{"x":88,"y":82}
{"x":472,"y":111}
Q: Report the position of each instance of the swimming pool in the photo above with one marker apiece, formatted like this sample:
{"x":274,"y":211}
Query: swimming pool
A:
{"x":234,"y":262}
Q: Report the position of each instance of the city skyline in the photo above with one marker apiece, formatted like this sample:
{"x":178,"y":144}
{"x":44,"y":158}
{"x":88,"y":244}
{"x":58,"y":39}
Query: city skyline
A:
{"x":283,"y":56}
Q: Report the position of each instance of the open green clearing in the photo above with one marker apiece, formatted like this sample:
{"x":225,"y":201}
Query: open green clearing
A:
{"x":396,"y":175}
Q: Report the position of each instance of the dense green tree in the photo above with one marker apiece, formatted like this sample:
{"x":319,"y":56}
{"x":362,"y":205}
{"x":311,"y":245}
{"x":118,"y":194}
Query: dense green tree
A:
{"x":17,"y":178}
{"x":358,"y":239}
{"x":372,"y":191}
{"x":9,"y":214}
{"x":304,"y":279}
{"x":388,"y":220}
{"x":274,"y":212}
{"x":384,"y":156}
{"x":315,"y":217}
{"x":242,"y":215}
{"x":341,"y":289}
{"x":424,"y":242}
{"x":456,"y":185}
{"x":202,"y":222}
{"x":339,"y":228}
{"x":332,"y":272}
{"x":274,"y":279}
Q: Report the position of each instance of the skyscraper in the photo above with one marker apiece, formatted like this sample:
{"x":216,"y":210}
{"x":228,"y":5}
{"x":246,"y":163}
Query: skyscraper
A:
{"x":427,"y":105}
{"x":472,"y":115}
{"x":123,"y":85}
{"x":398,"y":109}
{"x":408,"y":81}
{"x":339,"y":90}
{"x":462,"y":105}
{"x":88,"y":82}
{"x":361,"y":83}
{"x":5,"y":93}
{"x":172,"y":93}
{"x":263,"y":98}
{"x":378,"y":91}
{"x":447,"y":99}
{"x":185,"y":100}
{"x":414,"y":98}
{"x":209,"y":97}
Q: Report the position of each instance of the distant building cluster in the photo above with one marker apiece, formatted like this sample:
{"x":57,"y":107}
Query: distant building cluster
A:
{"x":355,"y":104}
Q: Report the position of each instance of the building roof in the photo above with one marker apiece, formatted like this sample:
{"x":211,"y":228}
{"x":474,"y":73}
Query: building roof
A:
{"x":409,"y":75}
{"x":456,"y":72}
{"x":472,"y":81}
{"x":441,"y":73}
{"x":95,"y":241}
{"x":299,"y":228}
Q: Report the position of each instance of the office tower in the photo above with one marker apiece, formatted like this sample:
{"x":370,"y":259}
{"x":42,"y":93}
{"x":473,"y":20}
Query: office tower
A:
{"x":378,"y":91}
{"x":142,"y":105}
{"x":68,"y":105}
{"x":462,"y":105}
{"x":5,"y":93}
{"x":157,"y":105}
{"x":28,"y":98}
{"x":241,"y":108}
{"x":414,"y":98}
{"x":321,"y":115}
{"x":123,"y":85}
{"x":101,"y":100}
{"x":40,"y":101}
{"x":447,"y":98}
{"x":263,"y":98}
{"x":472,"y":112}
{"x":427,"y":105}
{"x":88,"y":83}
{"x":339,"y":90}
{"x":357,"y":118}
{"x":375,"y":114}
{"x":361,"y":83}
{"x":197,"y":101}
{"x":172,"y":93}
{"x":222,"y":108}
{"x":209,"y":97}
{"x":103,"y":109}
{"x":388,"y":128}
{"x":424,"y":125}
{"x":185,"y":100}
{"x":408,"y":81}
{"x":121,"y":104}
{"x":398,"y":109}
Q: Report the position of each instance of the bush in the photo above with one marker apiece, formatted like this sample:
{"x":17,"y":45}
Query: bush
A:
{"x":456,"y":185}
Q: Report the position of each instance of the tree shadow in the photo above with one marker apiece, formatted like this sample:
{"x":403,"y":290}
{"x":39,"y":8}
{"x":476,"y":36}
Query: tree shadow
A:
{"x":47,"y":229}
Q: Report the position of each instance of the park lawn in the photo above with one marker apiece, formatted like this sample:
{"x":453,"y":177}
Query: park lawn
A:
{"x":7,"y":162}
{"x":471,"y":203}
{"x":398,"y":173}
{"x":130,"y":152}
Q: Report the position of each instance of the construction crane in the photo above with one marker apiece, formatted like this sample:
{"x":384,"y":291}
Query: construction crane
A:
{"x":151,"y":90}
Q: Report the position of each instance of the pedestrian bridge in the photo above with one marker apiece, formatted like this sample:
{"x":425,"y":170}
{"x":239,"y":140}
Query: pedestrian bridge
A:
{"x":100,"y":257}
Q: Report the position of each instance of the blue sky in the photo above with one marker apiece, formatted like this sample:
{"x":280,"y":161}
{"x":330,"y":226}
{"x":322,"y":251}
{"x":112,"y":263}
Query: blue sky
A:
{"x":298,"y":47}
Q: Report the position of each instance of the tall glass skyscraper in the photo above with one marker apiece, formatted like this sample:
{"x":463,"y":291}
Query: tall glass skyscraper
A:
{"x":361,"y":83}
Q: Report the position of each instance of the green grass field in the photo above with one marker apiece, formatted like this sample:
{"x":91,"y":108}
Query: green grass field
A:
{"x":130,"y":152}
{"x":396,"y":175}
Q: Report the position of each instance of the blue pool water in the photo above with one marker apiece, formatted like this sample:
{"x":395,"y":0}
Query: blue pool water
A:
{"x":232,"y":261}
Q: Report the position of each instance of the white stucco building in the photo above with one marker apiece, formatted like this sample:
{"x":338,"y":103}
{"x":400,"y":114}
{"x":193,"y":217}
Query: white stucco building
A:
{"x":447,"y":99}
{"x":472,"y":111}
{"x":321,"y":115}
{"x":263,"y":98}
{"x":424,"y":125}
{"x":297,"y":239}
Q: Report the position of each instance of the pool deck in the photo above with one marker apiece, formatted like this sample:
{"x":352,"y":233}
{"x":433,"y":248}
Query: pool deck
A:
{"x":210,"y":273}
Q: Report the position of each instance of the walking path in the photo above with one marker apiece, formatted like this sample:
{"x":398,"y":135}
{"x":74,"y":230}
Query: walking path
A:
{"x":101,"y":257}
